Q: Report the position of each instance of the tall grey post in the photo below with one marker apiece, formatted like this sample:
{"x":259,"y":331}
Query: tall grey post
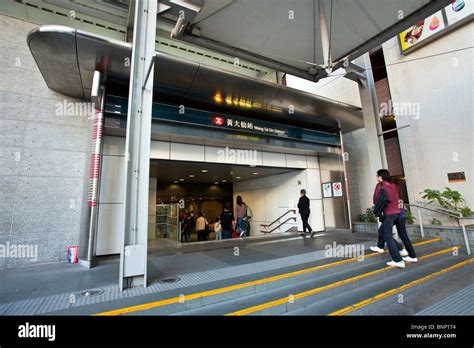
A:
{"x":372,"y":123}
{"x":370,"y":113}
{"x":133,"y":256}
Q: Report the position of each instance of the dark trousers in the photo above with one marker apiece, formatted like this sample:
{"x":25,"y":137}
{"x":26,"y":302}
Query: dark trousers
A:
{"x":201,"y":235}
{"x":304,"y":218}
{"x":402,"y":232}
{"x":386,"y":230}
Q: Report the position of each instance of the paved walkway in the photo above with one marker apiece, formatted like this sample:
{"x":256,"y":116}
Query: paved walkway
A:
{"x":57,"y":287}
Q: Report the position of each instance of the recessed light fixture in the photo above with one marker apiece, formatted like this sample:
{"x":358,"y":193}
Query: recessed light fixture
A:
{"x":176,"y":181}
{"x":204,"y":170}
{"x":224,"y":180}
{"x":181,"y":179}
{"x":255,"y":173}
{"x":216,"y":182}
{"x":191,"y":175}
{"x":237,"y":177}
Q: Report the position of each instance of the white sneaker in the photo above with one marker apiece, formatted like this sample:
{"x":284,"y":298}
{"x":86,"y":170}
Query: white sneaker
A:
{"x":400,"y":264}
{"x":404,"y":252}
{"x":376,"y":249}
{"x":410,"y":259}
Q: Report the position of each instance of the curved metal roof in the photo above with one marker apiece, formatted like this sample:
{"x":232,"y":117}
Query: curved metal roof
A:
{"x":67,"y":59}
{"x":286,"y":34}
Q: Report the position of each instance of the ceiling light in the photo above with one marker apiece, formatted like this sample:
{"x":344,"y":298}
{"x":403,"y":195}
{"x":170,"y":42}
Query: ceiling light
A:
{"x":237,"y":177}
{"x":204,"y":170}
{"x":255,"y":173}
{"x":176,"y":181}
{"x":181,"y":179}
{"x":216,"y":182}
{"x":224,"y":180}
{"x":191,"y":175}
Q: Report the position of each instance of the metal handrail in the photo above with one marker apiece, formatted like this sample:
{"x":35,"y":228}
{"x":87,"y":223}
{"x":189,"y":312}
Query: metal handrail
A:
{"x":281,"y":224}
{"x":439,"y":208}
{"x":278,"y":219}
{"x":444,"y":212}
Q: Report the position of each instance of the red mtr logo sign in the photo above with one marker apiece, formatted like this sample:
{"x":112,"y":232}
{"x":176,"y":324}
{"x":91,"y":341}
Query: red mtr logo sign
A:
{"x":218,"y":120}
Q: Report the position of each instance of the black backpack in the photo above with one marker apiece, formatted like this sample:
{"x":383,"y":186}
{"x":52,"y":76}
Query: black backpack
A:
{"x":381,"y":202}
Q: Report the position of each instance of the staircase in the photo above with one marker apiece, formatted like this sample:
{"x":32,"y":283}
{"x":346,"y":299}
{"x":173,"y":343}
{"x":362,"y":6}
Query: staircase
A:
{"x":335,"y":286}
{"x":288,"y":216}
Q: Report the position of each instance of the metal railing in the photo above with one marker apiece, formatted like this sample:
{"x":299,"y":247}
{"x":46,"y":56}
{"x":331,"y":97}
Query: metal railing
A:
{"x":443,"y":211}
{"x":266,"y":226}
{"x":278,"y":218}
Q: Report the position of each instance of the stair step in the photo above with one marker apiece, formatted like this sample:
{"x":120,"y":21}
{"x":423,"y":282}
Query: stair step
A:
{"x":326,"y":285}
{"x":374,"y":296}
{"x":186,"y":299}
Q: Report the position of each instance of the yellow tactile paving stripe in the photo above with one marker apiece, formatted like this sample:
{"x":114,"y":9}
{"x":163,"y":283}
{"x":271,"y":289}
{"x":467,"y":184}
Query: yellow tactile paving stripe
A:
{"x":286,"y":299}
{"x":173,"y":300}
{"x":383,"y":295}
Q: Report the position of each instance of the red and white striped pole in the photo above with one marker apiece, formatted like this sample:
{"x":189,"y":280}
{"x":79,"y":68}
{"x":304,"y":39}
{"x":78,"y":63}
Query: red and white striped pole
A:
{"x":95,"y":159}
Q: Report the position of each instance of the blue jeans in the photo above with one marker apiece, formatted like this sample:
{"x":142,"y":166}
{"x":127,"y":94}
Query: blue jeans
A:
{"x":218,"y":235}
{"x":226,"y":234}
{"x":241,"y":225}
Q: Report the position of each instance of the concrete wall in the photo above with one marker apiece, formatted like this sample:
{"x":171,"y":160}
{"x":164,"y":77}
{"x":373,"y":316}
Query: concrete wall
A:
{"x":441,"y":138}
{"x":43,"y":156}
{"x":272,"y":196}
{"x":361,"y":180}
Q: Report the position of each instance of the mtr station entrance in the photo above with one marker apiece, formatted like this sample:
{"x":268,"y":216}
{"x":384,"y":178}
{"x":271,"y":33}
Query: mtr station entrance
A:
{"x":202,"y":160}
{"x":212,"y":135}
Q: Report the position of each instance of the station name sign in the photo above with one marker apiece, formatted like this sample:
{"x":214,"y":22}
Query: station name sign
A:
{"x":247,"y":125}
{"x":176,"y":114}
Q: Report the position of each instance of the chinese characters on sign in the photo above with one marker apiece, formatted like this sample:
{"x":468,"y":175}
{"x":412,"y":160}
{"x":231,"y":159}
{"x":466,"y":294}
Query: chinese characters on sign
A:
{"x":247,"y":125}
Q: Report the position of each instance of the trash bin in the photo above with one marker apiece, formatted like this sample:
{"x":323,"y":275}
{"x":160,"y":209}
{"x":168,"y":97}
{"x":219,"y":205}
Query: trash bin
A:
{"x":72,"y":254}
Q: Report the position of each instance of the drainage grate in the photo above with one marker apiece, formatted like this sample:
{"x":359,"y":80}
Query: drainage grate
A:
{"x":91,"y":292}
{"x":169,"y":280}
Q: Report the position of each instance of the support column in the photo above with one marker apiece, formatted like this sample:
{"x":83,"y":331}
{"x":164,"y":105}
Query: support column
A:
{"x":372,"y":124}
{"x":133,"y":256}
{"x":370,"y":113}
{"x":88,"y":235}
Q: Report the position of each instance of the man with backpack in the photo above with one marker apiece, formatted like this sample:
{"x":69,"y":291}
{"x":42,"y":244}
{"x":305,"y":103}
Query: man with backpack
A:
{"x":386,"y":208}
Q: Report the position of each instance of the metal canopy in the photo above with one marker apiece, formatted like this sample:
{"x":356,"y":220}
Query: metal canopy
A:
{"x":286,"y":35}
{"x":67,"y":59}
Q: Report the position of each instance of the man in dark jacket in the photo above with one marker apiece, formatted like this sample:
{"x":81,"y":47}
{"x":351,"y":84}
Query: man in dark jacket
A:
{"x":303,"y":209}
{"x":226,"y":221}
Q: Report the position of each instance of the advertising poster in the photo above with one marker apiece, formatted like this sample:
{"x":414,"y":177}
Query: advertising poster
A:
{"x":421,"y":30}
{"x":458,"y":10}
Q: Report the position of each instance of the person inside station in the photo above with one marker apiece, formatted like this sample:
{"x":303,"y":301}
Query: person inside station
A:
{"x":227,"y":217}
{"x":241,"y":214}
{"x":201,"y":227}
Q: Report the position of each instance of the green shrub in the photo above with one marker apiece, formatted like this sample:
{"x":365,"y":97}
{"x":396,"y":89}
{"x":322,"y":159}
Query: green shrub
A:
{"x":448,"y":199}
